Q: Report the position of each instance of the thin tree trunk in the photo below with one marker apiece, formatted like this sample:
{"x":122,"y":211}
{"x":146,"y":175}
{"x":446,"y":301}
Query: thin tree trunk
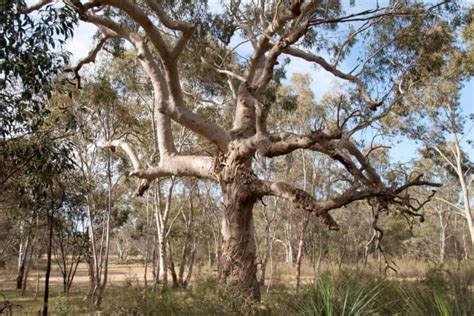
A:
{"x":22,"y":255}
{"x":266,"y":254}
{"x":37,"y":279}
{"x":192,"y":259}
{"x":174,"y":277}
{"x":442,"y":235}
{"x":48,"y":263}
{"x":317,"y":265}
{"x":27,"y":272}
{"x":105,"y":263}
{"x":464,"y":187}
{"x":147,"y":245}
{"x":299,"y":256}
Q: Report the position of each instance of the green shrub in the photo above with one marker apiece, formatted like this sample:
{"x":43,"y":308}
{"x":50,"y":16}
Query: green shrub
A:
{"x":63,"y":306}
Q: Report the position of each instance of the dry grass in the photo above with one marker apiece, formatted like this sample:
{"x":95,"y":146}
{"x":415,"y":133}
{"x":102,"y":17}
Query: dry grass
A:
{"x":129,"y":276}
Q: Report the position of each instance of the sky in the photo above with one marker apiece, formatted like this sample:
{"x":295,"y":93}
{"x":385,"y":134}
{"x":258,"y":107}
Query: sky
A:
{"x":322,"y":81}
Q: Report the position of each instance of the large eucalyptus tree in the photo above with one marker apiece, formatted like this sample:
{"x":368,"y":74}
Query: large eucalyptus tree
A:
{"x":184,"y":45}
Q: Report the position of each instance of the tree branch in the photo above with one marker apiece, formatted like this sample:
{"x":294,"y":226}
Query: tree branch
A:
{"x":284,"y":143}
{"x":330,"y":68}
{"x":90,"y":58}
{"x":171,"y":107}
{"x":300,"y":199}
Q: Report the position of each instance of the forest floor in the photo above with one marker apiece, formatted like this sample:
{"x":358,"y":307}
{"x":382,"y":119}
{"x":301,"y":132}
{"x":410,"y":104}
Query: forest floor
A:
{"x":127,"y":276}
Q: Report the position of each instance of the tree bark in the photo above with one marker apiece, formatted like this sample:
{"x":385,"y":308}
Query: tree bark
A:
{"x":22,"y":258}
{"x":238,"y":264}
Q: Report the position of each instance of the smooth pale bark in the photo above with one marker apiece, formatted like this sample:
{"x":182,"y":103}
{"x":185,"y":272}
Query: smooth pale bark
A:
{"x":22,"y":258}
{"x":457,"y":166}
{"x":105,"y":247}
{"x":442,"y":235}
{"x":188,"y":252}
{"x":299,"y":255}
{"x":147,"y":245}
{"x":304,"y":225}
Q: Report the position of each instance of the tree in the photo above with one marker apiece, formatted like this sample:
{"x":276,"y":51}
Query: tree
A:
{"x":182,"y":49}
{"x":440,"y":124}
{"x":32,"y":151}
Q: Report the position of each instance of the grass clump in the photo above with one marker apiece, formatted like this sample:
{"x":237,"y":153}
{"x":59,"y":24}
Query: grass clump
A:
{"x":441,"y":292}
{"x":341,"y":295}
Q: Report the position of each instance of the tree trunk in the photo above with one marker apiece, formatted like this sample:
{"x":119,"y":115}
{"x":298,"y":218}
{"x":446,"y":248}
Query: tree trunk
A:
{"x":37,"y":279}
{"x":27,"y":272}
{"x":22,"y":255}
{"x":299,"y":256}
{"x":266,"y":255}
{"x":48,"y":264}
{"x":174,"y":276}
{"x":162,"y":255}
{"x":462,"y":182}
{"x":192,"y":259}
{"x":147,"y":246}
{"x":238,"y":266}
{"x":442,"y":235}
{"x":317,"y":263}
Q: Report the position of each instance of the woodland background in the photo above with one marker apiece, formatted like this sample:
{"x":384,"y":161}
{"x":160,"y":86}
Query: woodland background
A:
{"x":64,"y":194}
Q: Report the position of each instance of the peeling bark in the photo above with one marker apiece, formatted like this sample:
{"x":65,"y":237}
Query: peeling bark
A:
{"x":238,"y":266}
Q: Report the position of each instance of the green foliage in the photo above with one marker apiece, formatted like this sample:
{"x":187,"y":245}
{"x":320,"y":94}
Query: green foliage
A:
{"x":28,"y":61}
{"x":348,"y":295}
{"x":63,"y":306}
{"x":398,"y":232}
{"x":30,"y":57}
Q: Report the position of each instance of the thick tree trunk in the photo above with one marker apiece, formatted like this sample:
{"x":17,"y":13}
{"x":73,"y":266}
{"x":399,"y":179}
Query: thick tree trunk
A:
{"x":238,"y":266}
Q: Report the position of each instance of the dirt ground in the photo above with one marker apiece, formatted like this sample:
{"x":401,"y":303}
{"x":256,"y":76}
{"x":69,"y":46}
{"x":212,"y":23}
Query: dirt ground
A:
{"x":118,"y":275}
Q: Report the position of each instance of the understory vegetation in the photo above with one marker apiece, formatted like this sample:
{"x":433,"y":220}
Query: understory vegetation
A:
{"x":439,"y":291}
